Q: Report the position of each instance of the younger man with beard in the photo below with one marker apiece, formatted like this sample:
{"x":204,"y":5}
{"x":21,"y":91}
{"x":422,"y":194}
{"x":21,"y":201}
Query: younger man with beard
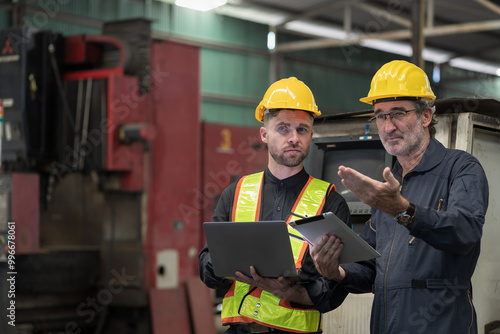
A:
{"x":287,"y":112}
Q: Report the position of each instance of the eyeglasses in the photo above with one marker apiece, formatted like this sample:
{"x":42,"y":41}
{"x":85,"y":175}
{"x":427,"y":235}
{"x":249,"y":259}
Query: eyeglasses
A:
{"x":394,"y":116}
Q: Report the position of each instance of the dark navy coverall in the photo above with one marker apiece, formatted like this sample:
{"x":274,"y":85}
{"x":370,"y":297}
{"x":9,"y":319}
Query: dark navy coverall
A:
{"x":422,"y":281}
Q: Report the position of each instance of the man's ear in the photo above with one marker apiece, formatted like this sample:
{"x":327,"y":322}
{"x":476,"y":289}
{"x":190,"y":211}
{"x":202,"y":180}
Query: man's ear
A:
{"x":263,"y":134}
{"x":427,"y":117}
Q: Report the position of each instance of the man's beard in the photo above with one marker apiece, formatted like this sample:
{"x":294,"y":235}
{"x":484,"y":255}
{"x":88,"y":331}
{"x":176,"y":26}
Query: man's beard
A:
{"x":412,"y":141}
{"x":290,"y":161}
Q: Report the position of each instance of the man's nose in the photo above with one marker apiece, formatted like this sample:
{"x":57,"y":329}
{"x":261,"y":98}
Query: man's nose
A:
{"x":294,"y":136}
{"x":388,"y":125}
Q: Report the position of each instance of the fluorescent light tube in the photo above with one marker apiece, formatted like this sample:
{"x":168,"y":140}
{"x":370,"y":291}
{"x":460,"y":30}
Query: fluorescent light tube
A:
{"x":201,"y":5}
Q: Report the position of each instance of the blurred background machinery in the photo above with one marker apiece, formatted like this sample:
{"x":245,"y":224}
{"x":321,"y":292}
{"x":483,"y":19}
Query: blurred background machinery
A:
{"x":108,"y":173}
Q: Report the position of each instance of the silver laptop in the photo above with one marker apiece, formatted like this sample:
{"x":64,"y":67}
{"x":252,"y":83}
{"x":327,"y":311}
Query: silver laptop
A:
{"x":235,"y":246}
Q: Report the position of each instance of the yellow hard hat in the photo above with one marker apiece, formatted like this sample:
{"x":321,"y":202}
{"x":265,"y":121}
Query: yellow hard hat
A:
{"x":399,"y":79}
{"x":289,"y":93}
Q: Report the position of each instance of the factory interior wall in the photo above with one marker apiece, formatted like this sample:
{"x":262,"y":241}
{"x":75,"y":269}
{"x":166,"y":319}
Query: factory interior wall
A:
{"x":235,"y":63}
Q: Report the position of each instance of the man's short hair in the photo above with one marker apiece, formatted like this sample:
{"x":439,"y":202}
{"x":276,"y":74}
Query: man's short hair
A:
{"x":422,"y":105}
{"x":271,"y":113}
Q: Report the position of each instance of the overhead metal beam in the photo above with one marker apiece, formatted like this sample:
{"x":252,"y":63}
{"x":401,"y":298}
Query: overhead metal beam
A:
{"x":417,"y":34}
{"x":160,"y":35}
{"x":490,"y":5}
{"x":275,"y":69}
{"x":430,"y":14}
{"x":348,"y":20}
{"x":383,"y":12}
{"x":314,"y":12}
{"x":451,"y":29}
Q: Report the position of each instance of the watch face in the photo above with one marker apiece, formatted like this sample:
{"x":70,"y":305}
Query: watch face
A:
{"x":404,"y":219}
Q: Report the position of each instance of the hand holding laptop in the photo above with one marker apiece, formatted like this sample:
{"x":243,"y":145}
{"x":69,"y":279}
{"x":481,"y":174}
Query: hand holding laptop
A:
{"x":280,"y":287}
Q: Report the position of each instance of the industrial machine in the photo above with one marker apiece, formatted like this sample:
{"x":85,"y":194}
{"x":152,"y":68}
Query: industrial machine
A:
{"x":107,"y":176}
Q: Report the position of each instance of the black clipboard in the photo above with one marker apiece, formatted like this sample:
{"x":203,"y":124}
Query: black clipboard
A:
{"x":355,"y":248}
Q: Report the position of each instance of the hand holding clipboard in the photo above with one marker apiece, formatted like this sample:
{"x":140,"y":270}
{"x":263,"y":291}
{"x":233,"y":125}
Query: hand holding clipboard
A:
{"x":355,"y":248}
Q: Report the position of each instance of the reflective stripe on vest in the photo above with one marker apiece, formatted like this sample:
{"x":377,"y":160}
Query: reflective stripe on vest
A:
{"x":243,"y":303}
{"x":247,"y":198}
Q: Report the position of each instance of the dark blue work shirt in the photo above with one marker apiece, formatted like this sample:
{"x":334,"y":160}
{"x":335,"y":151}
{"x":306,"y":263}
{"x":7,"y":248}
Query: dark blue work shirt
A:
{"x":422,"y":281}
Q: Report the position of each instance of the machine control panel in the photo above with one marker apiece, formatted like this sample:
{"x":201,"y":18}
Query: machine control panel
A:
{"x":359,"y":208}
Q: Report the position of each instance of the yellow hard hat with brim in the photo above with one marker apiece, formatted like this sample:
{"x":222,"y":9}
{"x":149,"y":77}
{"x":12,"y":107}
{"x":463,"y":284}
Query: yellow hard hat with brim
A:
{"x":399,"y":79}
{"x":289,"y":93}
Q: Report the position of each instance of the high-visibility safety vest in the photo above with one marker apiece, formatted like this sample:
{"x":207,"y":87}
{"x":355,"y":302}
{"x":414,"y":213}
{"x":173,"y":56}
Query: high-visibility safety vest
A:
{"x":247,"y":304}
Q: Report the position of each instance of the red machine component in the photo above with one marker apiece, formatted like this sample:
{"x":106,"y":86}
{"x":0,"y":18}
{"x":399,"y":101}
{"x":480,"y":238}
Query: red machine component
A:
{"x":133,"y":176}
{"x":136,"y":132}
{"x":169,"y":173}
{"x":148,"y":151}
{"x":88,"y":50}
{"x":175,"y":167}
{"x":228,"y":153}
{"x":171,"y":309}
{"x":20,"y":206}
{"x":123,"y":104}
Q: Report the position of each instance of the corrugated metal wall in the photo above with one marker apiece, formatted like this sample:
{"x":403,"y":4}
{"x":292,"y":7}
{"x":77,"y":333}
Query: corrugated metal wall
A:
{"x":4,"y":19}
{"x":457,"y":83}
{"x":335,"y":91}
{"x":235,"y":76}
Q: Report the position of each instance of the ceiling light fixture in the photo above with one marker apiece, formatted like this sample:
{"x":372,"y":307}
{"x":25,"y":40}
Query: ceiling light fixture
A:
{"x":252,"y":14}
{"x":436,"y":74}
{"x":201,"y":5}
{"x":271,"y":40}
{"x":316,"y":29}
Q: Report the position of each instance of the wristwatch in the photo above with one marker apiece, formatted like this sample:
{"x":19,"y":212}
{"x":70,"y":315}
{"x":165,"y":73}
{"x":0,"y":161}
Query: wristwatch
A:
{"x":406,"y":218}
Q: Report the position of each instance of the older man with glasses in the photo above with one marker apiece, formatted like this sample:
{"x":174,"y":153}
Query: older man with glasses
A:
{"x":427,"y":217}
